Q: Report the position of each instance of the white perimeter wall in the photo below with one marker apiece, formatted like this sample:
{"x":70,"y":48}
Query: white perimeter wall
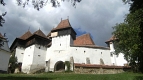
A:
{"x":4,"y":59}
{"x":120,"y":59}
{"x":117,"y":59}
{"x":80,"y":54}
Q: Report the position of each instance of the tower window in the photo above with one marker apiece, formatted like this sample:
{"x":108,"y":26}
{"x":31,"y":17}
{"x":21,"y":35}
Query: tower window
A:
{"x":84,"y":51}
{"x":60,"y":44}
{"x":111,"y":54}
{"x":101,"y":52}
{"x":39,"y":47}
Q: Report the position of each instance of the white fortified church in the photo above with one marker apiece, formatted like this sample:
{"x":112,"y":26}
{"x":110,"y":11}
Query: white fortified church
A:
{"x":37,"y":51}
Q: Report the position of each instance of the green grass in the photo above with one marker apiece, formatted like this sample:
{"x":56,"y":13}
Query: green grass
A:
{"x":72,"y":76}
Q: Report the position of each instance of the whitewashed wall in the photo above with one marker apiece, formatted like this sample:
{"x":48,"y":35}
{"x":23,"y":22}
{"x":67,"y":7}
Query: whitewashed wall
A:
{"x":4,"y":59}
{"x":62,"y":42}
{"x":81,"y":53}
{"x":19,"y":54}
{"x":59,"y":51}
{"x":120,"y":59}
{"x":117,"y":59}
{"x":39,"y":57}
{"x":55,"y":55}
{"x":28,"y":59}
{"x":4,"y":56}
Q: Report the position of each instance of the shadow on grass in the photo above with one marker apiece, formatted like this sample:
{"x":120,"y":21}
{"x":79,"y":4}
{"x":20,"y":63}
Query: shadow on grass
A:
{"x":25,"y":78}
{"x":138,"y":78}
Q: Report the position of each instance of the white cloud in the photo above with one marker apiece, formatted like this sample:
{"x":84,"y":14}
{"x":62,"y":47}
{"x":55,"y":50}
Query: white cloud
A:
{"x":92,"y":16}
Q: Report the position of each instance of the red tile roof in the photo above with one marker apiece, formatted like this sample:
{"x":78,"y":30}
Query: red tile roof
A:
{"x":63,"y":24}
{"x":111,"y":39}
{"x":84,"y":39}
{"x":91,"y":46}
{"x":40,"y":33}
{"x":26,"y":35}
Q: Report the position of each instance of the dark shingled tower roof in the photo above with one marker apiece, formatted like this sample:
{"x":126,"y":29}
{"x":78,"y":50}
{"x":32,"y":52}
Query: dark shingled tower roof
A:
{"x":40,"y":33}
{"x":26,"y":35}
{"x":63,"y":24}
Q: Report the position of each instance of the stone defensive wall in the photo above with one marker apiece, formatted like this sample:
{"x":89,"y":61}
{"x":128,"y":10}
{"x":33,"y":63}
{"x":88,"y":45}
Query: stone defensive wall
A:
{"x":99,"y":69}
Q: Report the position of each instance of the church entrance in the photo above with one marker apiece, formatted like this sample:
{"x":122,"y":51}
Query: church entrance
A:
{"x":59,"y":66}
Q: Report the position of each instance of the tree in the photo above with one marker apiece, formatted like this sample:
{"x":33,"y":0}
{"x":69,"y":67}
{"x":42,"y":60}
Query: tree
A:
{"x":1,"y":16}
{"x":37,"y":4}
{"x":130,"y":35}
{"x":13,"y":63}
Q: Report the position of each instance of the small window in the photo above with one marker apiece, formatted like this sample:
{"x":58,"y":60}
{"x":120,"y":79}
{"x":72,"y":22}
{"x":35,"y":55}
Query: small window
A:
{"x":39,"y":55}
{"x":22,"y":53}
{"x":59,"y":51}
{"x":84,"y":51}
{"x":76,"y":49}
{"x":28,"y":55}
{"x":60,"y":44}
{"x":101,"y":52}
{"x":111,"y":54}
{"x":117,"y":55}
{"x":39,"y":47}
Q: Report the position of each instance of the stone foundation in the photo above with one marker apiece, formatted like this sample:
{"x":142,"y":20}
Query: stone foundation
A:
{"x":97,"y":70}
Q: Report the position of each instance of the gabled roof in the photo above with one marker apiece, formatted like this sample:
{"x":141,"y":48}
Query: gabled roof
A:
{"x":1,"y":36}
{"x":63,"y":24}
{"x":84,"y":39}
{"x":111,"y":39}
{"x":26,"y":35}
{"x":40,"y":33}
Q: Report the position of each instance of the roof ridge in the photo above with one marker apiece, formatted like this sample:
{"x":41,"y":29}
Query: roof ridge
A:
{"x":26,"y":35}
{"x":83,"y":34}
{"x":84,"y":39}
{"x":63,"y":24}
{"x":40,"y":33}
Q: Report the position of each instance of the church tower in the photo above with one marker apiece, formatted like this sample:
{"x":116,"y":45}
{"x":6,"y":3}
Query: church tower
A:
{"x":63,"y":35}
{"x":110,"y":44}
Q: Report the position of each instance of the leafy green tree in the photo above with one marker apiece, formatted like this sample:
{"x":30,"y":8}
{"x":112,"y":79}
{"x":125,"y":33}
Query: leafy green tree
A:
{"x":13,"y":63}
{"x":129,"y":35}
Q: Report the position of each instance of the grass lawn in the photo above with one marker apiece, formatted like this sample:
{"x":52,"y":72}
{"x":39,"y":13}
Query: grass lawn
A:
{"x":72,"y":76}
